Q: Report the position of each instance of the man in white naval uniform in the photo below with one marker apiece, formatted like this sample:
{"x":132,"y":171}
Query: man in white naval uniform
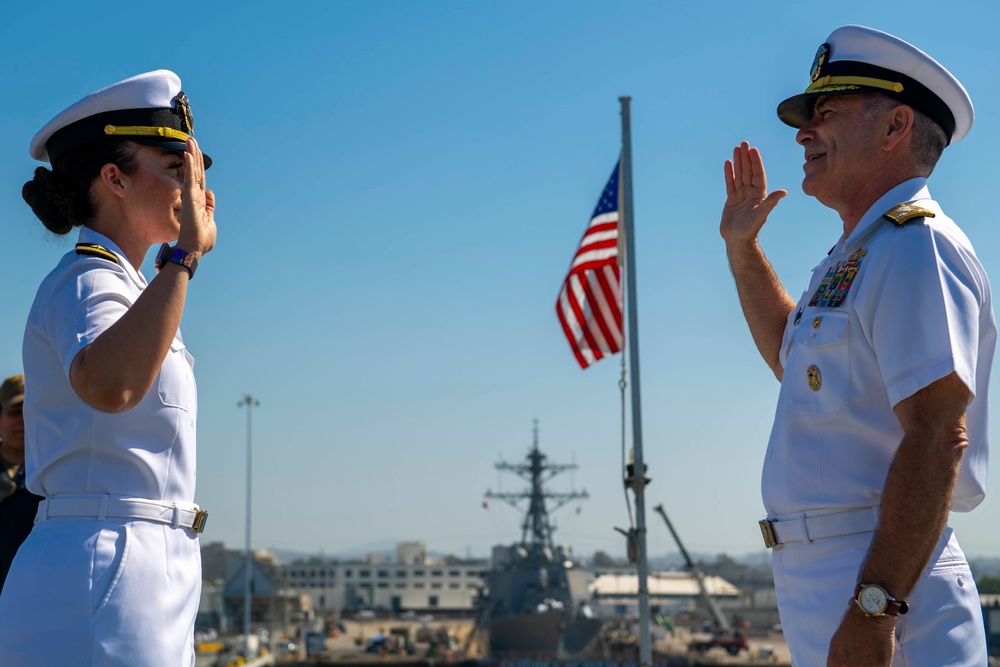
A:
{"x":884,"y":364}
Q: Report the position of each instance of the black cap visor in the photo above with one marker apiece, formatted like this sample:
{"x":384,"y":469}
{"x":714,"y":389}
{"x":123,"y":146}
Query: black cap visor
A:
{"x":177,"y":146}
{"x":797,"y":110}
{"x":95,"y":128}
{"x":846,"y":77}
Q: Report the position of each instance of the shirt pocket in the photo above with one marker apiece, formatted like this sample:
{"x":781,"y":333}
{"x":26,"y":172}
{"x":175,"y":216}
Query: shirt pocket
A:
{"x":818,"y":375}
{"x":175,"y":383}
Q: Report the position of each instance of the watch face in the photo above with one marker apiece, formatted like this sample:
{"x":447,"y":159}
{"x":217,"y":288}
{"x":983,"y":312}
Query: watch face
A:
{"x":873,"y":600}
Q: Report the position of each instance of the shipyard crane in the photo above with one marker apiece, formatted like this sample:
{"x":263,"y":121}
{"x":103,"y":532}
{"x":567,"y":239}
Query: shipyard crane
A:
{"x":724,"y":635}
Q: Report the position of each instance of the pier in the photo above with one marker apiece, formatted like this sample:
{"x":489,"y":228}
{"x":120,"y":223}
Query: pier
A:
{"x":451,"y":644}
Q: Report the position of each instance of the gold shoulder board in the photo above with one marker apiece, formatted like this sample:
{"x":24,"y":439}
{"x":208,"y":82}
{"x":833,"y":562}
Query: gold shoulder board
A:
{"x":96,"y":250}
{"x":904,"y":213}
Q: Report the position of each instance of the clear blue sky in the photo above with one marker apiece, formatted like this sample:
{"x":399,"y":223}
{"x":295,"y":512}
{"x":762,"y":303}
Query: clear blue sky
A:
{"x":401,"y":187}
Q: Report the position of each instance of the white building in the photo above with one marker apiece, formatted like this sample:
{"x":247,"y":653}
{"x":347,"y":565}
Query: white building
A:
{"x":615,"y":594}
{"x":411,"y":553}
{"x":413,"y":583}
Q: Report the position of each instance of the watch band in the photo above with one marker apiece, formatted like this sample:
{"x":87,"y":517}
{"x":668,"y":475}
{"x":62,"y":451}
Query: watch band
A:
{"x":177,"y":256}
{"x":893,"y":606}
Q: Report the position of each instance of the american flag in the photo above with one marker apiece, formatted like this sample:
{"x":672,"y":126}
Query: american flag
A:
{"x":590,"y":302}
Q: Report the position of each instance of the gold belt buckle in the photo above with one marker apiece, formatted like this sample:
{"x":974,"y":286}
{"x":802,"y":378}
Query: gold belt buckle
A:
{"x":200,"y":519}
{"x":767,"y":530}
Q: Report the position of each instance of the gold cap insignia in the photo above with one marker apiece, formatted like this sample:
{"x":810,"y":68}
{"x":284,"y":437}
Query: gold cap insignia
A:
{"x":182,"y":107}
{"x":818,"y":61}
{"x":814,"y":378}
{"x":904,"y":213}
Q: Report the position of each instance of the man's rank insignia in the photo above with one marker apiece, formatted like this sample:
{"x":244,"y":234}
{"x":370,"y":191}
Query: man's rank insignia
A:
{"x":837,"y":282}
{"x":817,"y":66}
{"x":903,"y":213}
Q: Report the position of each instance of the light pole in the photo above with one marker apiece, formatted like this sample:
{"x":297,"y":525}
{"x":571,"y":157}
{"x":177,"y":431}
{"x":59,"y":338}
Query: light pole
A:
{"x":250,"y":403}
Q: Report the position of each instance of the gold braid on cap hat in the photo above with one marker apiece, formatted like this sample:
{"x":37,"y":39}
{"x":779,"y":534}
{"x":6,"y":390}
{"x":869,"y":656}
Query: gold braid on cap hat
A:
{"x":827,"y":82}
{"x":181,"y":108}
{"x":145,"y":131}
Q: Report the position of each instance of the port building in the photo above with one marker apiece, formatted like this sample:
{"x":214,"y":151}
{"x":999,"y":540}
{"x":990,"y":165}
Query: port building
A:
{"x":411,"y":582}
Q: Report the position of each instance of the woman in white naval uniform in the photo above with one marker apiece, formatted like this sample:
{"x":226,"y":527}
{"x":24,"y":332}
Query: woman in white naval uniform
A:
{"x":111,"y":572}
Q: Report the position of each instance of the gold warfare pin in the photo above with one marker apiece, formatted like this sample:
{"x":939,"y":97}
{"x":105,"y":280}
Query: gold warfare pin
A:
{"x":814,"y":378}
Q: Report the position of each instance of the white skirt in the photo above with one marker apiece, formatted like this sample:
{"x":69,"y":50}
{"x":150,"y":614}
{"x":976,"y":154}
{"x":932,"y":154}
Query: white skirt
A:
{"x":101,"y":594}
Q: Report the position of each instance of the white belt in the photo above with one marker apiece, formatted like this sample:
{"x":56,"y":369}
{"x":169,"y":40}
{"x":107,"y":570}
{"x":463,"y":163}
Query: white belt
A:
{"x":101,"y":507}
{"x":804,"y":528}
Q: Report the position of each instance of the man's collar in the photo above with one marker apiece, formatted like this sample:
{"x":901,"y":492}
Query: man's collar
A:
{"x":908,"y":191}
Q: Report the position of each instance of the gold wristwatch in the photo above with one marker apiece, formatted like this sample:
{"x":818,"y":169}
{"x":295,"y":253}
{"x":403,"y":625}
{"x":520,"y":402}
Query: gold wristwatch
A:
{"x":876,"y":601}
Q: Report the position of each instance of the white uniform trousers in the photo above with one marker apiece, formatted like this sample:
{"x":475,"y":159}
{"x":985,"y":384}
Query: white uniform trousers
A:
{"x":814,"y":581}
{"x":110,"y":593}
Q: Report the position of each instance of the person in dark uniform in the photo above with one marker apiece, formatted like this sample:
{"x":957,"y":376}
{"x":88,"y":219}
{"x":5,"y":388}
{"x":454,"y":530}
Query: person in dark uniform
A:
{"x":17,"y":504}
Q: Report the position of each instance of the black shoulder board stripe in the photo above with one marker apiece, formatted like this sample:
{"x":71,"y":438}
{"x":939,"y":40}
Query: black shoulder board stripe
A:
{"x":95,"y":250}
{"x":904,"y":213}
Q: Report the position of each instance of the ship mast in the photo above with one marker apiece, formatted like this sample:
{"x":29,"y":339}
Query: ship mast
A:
{"x":537,"y":529}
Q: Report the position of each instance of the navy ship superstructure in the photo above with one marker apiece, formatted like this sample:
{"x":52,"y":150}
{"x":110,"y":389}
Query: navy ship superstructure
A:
{"x":535,"y":604}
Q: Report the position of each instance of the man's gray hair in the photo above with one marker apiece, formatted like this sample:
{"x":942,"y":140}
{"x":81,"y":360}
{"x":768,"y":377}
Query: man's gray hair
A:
{"x":929,"y":138}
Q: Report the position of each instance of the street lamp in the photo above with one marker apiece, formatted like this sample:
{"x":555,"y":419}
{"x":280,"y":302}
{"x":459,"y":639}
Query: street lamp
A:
{"x":250,"y":403}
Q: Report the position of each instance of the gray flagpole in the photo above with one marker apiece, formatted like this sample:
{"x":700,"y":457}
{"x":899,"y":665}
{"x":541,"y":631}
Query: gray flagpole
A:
{"x":638,"y":477}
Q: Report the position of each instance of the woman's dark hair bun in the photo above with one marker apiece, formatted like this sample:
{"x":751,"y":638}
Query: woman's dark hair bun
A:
{"x":61,"y":198}
{"x":53,"y":201}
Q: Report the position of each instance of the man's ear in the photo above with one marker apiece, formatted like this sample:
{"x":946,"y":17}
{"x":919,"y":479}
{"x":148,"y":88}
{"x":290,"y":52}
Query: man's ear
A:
{"x":898,"y":125}
{"x":112,"y":180}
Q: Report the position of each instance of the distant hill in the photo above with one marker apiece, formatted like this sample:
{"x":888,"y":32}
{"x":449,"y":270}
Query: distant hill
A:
{"x":758,"y":563}
{"x":386,"y":548}
{"x":675,"y":560}
{"x":985,"y":567}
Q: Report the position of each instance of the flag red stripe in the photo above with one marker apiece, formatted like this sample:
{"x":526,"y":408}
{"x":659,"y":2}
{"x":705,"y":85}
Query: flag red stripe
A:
{"x":597,"y":319}
{"x":570,"y":336}
{"x":573,"y":326}
{"x":606,"y":226}
{"x":611,"y":314}
{"x":594,"y":265}
{"x":581,"y":317}
{"x":602,"y":244}
{"x":612,"y":295}
{"x":596,"y":300}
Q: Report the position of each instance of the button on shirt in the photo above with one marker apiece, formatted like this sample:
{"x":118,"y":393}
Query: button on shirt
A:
{"x":145,"y":452}
{"x":917,"y":307}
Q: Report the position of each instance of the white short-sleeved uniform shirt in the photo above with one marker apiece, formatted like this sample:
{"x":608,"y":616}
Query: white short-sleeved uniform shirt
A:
{"x":888,"y":312}
{"x":145,"y":452}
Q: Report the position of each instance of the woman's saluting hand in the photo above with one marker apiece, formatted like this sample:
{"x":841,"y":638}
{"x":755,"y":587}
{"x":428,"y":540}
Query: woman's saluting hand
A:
{"x":198,"y":229}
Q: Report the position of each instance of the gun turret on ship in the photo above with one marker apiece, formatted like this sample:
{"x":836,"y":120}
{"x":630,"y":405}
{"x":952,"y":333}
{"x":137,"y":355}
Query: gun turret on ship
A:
{"x":535,"y":604}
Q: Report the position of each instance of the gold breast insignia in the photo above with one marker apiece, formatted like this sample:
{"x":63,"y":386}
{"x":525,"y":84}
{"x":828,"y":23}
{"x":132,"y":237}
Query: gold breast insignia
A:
{"x":814,"y":378}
